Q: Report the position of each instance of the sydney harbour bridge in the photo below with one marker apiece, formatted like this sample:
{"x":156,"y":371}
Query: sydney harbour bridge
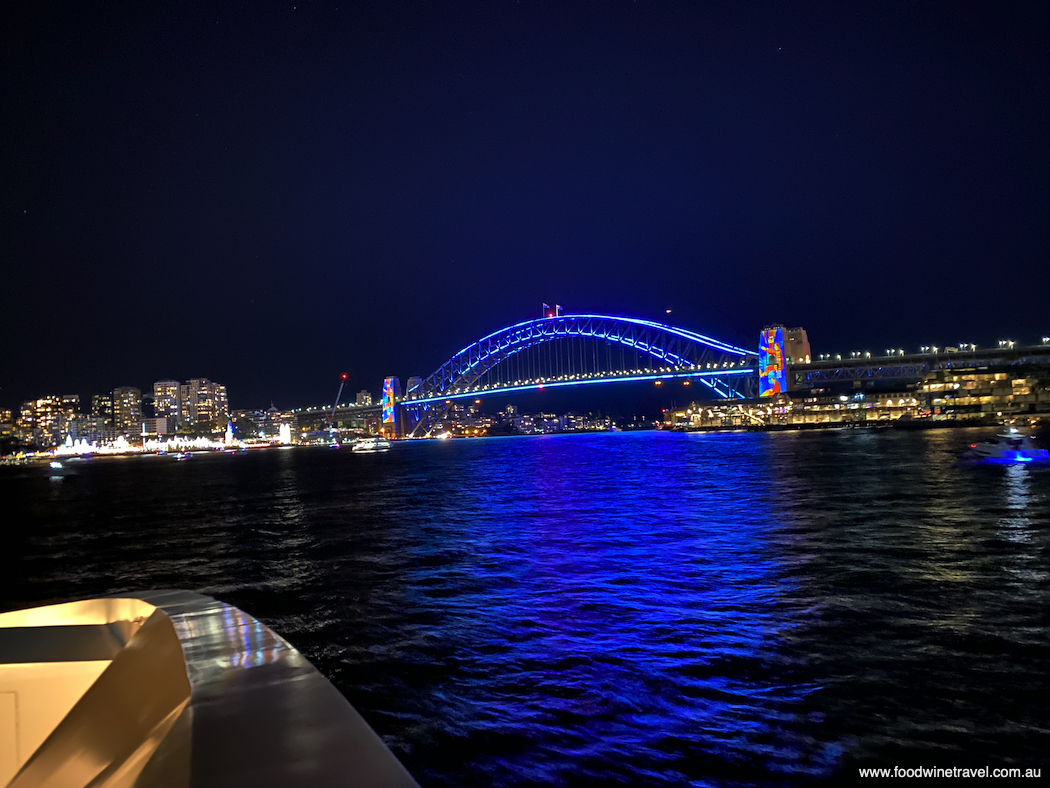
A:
{"x":553,"y":352}
{"x":571,"y":350}
{"x":575,"y":350}
{"x":581,"y":350}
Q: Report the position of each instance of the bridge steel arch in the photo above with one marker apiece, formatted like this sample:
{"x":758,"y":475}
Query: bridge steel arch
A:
{"x":668,"y":352}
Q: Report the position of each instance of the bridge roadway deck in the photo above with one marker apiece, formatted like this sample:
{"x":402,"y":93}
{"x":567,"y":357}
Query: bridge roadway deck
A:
{"x":914,"y":366}
{"x":888,"y":368}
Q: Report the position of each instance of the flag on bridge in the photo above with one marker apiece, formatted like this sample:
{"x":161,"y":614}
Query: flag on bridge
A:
{"x":546,"y":311}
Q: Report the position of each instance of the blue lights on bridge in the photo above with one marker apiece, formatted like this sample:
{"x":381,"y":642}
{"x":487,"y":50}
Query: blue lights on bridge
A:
{"x":575,"y":350}
{"x":701,"y":376}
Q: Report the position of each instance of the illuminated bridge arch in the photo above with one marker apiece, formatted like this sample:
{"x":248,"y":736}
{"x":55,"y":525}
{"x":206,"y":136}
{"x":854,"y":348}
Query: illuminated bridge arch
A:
{"x":573,"y":350}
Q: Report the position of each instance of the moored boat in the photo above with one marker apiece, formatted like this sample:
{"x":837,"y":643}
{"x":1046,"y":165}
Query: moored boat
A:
{"x":1005,"y":448}
{"x":373,"y":443}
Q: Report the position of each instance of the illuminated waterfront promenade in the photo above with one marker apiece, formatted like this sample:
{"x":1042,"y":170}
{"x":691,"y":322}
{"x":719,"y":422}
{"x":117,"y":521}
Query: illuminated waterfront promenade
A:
{"x":574,"y":352}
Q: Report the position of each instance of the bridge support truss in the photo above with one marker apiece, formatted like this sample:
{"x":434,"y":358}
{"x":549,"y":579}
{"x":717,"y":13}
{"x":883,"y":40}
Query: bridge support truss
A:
{"x":577,"y":350}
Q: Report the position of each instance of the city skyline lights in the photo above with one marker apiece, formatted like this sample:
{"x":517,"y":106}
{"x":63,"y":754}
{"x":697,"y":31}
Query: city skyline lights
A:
{"x":875,"y":173}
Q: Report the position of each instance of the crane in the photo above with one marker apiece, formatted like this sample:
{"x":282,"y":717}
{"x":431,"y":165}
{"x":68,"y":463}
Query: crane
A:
{"x":331,"y":419}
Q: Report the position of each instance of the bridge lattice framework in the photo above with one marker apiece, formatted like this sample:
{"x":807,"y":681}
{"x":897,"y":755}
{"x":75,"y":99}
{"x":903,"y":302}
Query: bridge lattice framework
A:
{"x":572,"y":350}
{"x":914,"y":367}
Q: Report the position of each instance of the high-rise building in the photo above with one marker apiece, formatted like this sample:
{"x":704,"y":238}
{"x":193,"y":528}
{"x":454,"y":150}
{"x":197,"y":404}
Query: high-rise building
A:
{"x":166,"y":399}
{"x":364,"y":397}
{"x":46,"y":420}
{"x":127,"y":410}
{"x":102,"y":407}
{"x":203,"y":402}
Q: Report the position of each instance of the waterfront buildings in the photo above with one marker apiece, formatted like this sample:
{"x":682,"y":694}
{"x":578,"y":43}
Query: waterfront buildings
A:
{"x":166,"y":399}
{"x":102,"y":407}
{"x":248,"y":423}
{"x":462,"y":420}
{"x":127,"y":410}
{"x":197,"y":402}
{"x":797,"y":410}
{"x":92,"y":429}
{"x":158,"y":426}
{"x":46,"y":420}
{"x":202,"y":402}
{"x":965,"y":394}
{"x":944,"y":395}
{"x":51,"y":419}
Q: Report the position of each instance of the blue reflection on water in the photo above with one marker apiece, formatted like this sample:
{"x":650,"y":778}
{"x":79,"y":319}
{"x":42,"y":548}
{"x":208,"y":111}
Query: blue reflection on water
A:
{"x":638,"y":609}
{"x":612,"y":617}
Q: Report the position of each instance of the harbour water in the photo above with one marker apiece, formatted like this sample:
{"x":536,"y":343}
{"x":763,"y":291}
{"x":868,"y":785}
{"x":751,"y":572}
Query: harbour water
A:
{"x":633,"y":608}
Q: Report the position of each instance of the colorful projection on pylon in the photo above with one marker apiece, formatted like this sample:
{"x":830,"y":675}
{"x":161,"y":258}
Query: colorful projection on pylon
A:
{"x":772,"y":370}
{"x":388,"y":401}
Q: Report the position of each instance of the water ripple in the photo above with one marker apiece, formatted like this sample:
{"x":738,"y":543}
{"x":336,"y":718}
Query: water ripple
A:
{"x":636,"y":609}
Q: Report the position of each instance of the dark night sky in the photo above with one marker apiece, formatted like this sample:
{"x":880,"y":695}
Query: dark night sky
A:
{"x":269,"y":194}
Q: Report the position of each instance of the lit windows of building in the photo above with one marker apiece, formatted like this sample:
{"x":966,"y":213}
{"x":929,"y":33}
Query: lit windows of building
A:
{"x":364,"y":397}
{"x":275,"y":419}
{"x":93,"y":429}
{"x":45,"y":421}
{"x":102,"y":407}
{"x":248,"y":423}
{"x":980,"y":393}
{"x":796,"y":346}
{"x":203,"y":402}
{"x":127,"y":410}
{"x":158,"y":426}
{"x":166,"y":399}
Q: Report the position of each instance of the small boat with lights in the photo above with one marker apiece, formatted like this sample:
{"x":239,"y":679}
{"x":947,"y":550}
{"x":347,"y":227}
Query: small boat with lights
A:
{"x":370,"y":445}
{"x":56,"y":468}
{"x":1006,"y":447}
